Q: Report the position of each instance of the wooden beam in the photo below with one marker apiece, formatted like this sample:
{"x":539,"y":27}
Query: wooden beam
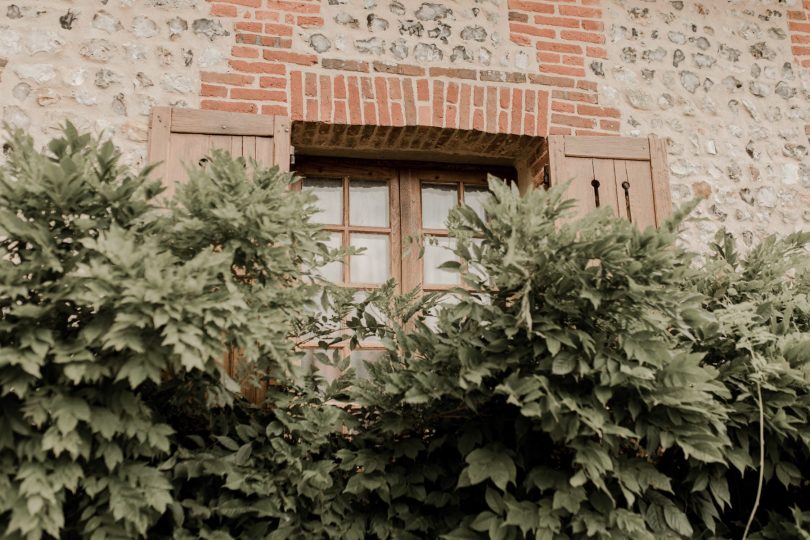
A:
{"x":608,"y":147}
{"x":222,"y":123}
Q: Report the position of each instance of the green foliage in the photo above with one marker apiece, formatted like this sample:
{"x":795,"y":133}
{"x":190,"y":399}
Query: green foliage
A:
{"x":590,"y":380}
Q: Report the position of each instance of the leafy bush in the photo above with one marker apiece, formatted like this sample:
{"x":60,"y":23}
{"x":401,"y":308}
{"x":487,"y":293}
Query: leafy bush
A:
{"x":589,"y":380}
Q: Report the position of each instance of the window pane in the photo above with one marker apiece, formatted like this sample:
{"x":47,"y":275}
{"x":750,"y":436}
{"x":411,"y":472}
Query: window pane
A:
{"x":330,"y":199}
{"x":372,"y":310}
{"x":368,"y":203}
{"x":374,"y":265}
{"x":437,"y":251}
{"x":323,"y":363}
{"x":360,"y":357}
{"x":475,"y":196}
{"x":437,"y":201}
{"x":334,"y":270}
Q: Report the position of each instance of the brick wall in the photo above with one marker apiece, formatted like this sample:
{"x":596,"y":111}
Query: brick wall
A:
{"x":799,"y":26}
{"x":272,"y":71}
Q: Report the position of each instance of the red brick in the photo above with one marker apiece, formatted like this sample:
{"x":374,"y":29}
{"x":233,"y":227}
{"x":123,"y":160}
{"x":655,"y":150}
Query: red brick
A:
{"x":355,"y":109}
{"x":258,"y":67}
{"x":211,"y":90}
{"x":504,"y":98}
{"x":574,"y":121}
{"x":570,"y":60}
{"x":230,"y":106}
{"x":278,"y":29}
{"x":591,"y":133}
{"x":478,"y":120}
{"x":369,"y":113}
{"x":223,"y":10}
{"x":562,"y":22}
{"x":438,"y":103}
{"x":294,"y":7}
{"x":248,"y":26}
{"x":425,"y":115}
{"x":563,"y":70}
{"x":798,"y":27}
{"x":596,"y":26}
{"x":797,"y":38}
{"x":266,"y":15}
{"x":801,"y":51}
{"x":422,"y":90}
{"x":345,"y":65}
{"x":503,"y":123}
{"x":570,"y":95}
{"x":248,"y":3}
{"x":394,"y":89}
{"x":542,"y":114}
{"x":297,"y":95}
{"x":590,"y":110}
{"x":556,"y":130}
{"x":523,"y":41}
{"x":536,"y":7}
{"x":563,"y":107}
{"x":576,"y":35}
{"x":465,"y":105}
{"x":255,"y":94}
{"x":558,"y":47}
{"x":549,"y":57}
{"x":325,"y":84}
{"x":244,"y":52}
{"x":290,"y":57}
{"x":273,"y":82}
{"x":549,"y":80}
{"x":478,"y":96}
{"x":383,"y":109}
{"x":311,"y":85}
{"x":397,"y":117}
{"x":609,"y":125}
{"x":491,"y":108}
{"x":399,"y":69}
{"x":518,"y":28}
{"x":310,"y":22}
{"x":528,"y":124}
{"x":226,"y":78}
{"x":410,"y":103}
{"x":340,"y":112}
{"x":275,"y":110}
{"x":530,"y":100}
{"x":312,"y":110}
{"x":577,"y":11}
{"x":517,"y":109}
{"x":340,"y":87}
{"x":454,"y":73}
{"x":367,"y":87}
{"x":587,"y":85}
{"x":452,"y":93}
{"x":596,"y":52}
{"x":450,"y":114}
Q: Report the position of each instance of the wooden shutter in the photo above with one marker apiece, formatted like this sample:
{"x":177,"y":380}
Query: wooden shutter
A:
{"x":182,"y":137}
{"x":626,"y":174}
{"x":179,"y":137}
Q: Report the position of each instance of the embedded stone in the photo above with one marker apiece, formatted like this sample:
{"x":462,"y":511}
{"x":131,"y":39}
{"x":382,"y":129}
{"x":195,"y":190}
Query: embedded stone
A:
{"x":598,"y":68}
{"x":370,"y":46}
{"x":83,"y":97}
{"x":66,"y":21}
{"x":47,"y":97}
{"x":432,"y":12}
{"x":164,"y":55}
{"x":762,"y":51}
{"x":16,"y":117}
{"x":484,"y":56}
{"x":522,"y":61}
{"x":665,"y":101}
{"x":730,"y":53}
{"x":119,"y":105}
{"x":347,"y":20}
{"x":676,"y":38}
{"x":397,"y":8}
{"x":747,"y":196}
{"x":794,"y":151}
{"x":369,"y":4}
{"x":411,"y":28}
{"x":399,"y":49}
{"x":106,"y":78}
{"x":678,"y":57}
{"x":9,"y":41}
{"x":176,"y":27}
{"x":759,"y":89}
{"x":784,"y":90}
{"x":689,"y":81}
{"x":13,"y":12}
{"x":39,"y":73}
{"x":461,"y":53}
{"x":320,"y":43}
{"x":703,"y":61}
{"x":766,"y":197}
{"x":647,"y":74}
{"x":21,"y":90}
{"x":427,"y":52}
{"x":777,"y":33}
{"x":176,"y":82}
{"x":701,"y":189}
{"x":639,"y":99}
{"x":440,"y":32}
{"x":654,"y":55}
{"x":732,"y":83}
{"x":135,"y":51}
{"x":211,"y":57}
{"x":212,"y":29}
{"x":76,"y":77}
{"x":188,"y":56}
{"x":105,"y":22}
{"x":376,"y":24}
{"x":702,"y":43}
{"x":628,"y":55}
{"x":750,"y":31}
{"x":476,"y":33}
{"x":98,"y":50}
{"x":756,"y":71}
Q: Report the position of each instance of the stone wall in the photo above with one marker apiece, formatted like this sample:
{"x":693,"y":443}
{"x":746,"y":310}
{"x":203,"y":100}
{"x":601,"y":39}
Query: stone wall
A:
{"x":104,"y":64}
{"x":719,"y":80}
{"x":727,"y":83}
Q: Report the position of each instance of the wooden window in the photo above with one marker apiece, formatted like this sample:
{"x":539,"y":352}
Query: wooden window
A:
{"x":626,"y":174}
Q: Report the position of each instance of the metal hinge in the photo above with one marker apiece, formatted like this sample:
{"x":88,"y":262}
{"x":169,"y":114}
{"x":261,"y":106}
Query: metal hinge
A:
{"x":292,"y":155}
{"x":546,"y":178}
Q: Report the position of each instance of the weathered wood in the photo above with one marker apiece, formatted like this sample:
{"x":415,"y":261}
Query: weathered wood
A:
{"x":222,"y":123}
{"x":660,"y":179}
{"x":608,"y":147}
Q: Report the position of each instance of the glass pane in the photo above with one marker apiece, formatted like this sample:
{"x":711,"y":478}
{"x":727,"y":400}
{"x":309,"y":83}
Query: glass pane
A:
{"x":368,"y":203}
{"x":360,"y":357}
{"x":475,"y":196}
{"x":437,"y":201}
{"x":322,"y":363}
{"x":374,"y":265}
{"x":432,"y":318}
{"x":372,"y":310}
{"x":334,"y":270}
{"x":330,"y":199}
{"x":437,"y":251}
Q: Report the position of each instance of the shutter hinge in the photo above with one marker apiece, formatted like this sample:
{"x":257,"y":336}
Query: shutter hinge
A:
{"x":546,"y":178}
{"x":292,"y":155}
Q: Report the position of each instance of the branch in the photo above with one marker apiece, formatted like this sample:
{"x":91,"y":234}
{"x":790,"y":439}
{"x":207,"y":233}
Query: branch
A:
{"x":761,"y":462}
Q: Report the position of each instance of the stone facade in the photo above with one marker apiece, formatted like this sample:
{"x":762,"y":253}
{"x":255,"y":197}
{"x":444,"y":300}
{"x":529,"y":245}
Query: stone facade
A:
{"x":726,"y":83}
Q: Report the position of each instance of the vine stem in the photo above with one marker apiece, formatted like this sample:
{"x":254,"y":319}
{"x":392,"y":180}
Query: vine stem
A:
{"x":761,"y":462}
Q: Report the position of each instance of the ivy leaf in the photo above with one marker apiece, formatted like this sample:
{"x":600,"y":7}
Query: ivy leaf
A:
{"x":490,"y":463}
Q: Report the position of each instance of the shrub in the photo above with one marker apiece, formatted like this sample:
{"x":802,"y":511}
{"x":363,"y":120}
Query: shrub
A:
{"x":589,"y":379}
